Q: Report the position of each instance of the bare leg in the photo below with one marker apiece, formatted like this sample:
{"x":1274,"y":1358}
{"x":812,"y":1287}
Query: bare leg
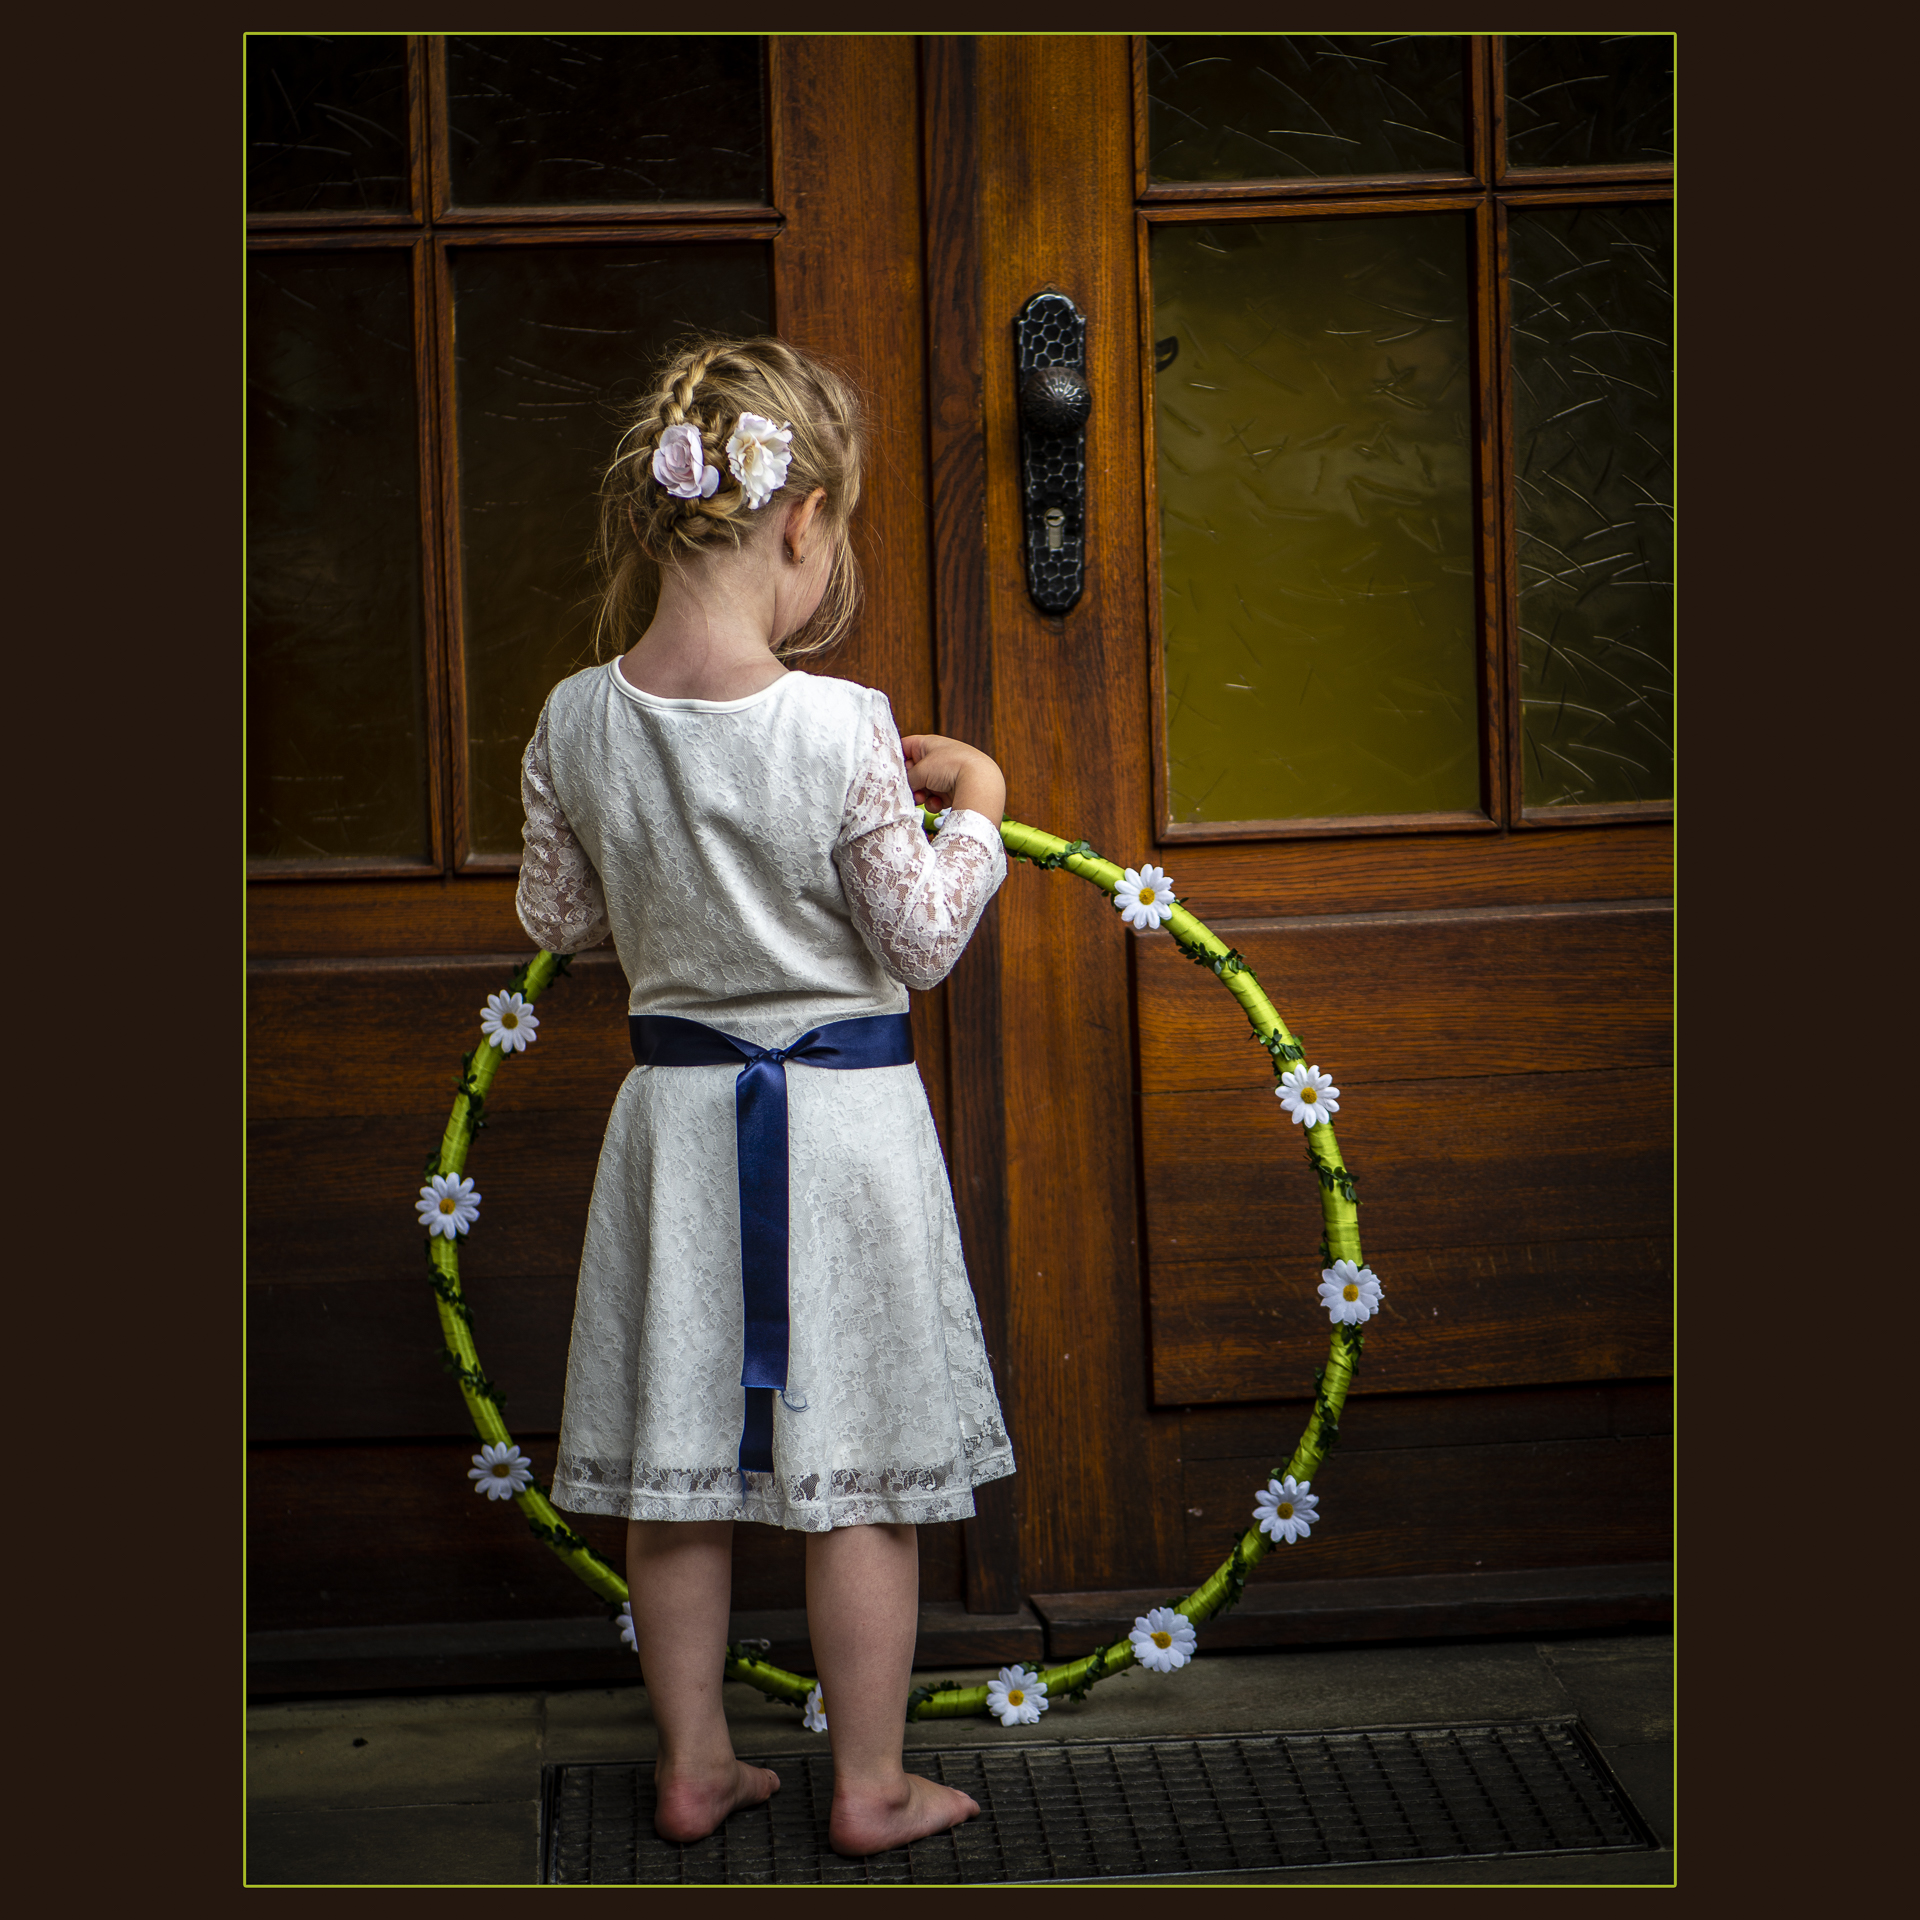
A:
{"x":863,"y":1606}
{"x":681,"y":1576}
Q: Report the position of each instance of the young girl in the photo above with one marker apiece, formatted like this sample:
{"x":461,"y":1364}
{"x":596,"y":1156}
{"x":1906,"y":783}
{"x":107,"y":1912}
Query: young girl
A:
{"x":773,"y":1320}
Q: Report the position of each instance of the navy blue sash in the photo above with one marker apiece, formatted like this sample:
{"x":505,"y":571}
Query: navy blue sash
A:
{"x":760,"y":1125}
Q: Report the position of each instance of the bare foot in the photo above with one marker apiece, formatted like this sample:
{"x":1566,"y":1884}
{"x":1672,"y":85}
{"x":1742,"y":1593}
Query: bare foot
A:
{"x":871,"y":1821}
{"x":691,"y":1808}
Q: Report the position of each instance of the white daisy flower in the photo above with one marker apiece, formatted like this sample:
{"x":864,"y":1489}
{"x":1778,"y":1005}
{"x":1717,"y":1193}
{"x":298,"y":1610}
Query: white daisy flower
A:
{"x":1308,"y":1094}
{"x":509,"y":1023}
{"x":447,"y":1205}
{"x":816,"y":1712}
{"x":626,"y":1627}
{"x":1162,"y":1640}
{"x":757,"y":454}
{"x":1350,"y":1294}
{"x":1145,"y":898}
{"x":1286,"y":1510}
{"x":1018,"y":1698}
{"x":500,"y":1471}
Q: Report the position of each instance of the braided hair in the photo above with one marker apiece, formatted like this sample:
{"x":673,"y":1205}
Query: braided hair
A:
{"x":646,"y":531}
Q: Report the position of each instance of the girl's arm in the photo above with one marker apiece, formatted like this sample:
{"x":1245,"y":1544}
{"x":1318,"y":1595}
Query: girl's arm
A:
{"x":559,"y":899}
{"x":917,"y":901}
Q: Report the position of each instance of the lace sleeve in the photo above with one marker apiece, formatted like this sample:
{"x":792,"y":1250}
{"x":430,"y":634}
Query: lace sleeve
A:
{"x":559,"y":900}
{"x":916,"y":901}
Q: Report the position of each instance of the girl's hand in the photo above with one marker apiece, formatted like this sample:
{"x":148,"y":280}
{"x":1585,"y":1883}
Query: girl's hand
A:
{"x":949,"y":773}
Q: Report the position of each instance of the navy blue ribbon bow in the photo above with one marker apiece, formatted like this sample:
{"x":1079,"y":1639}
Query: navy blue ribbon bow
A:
{"x":760,"y":1126}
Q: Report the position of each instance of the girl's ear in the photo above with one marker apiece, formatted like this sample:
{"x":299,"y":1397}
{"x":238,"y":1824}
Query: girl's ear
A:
{"x":800,"y":519}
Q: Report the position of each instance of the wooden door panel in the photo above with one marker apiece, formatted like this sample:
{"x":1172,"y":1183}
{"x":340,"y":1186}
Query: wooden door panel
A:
{"x":1505,"y":1108}
{"x":371,"y":1039}
{"x":1419,"y":1510}
{"x":1453,"y":1317}
{"x":1477,"y":991}
{"x":1069,"y":710}
{"x":358,"y":1357}
{"x":1562,"y":1183}
{"x":332,"y":1197}
{"x":1503,"y":1160}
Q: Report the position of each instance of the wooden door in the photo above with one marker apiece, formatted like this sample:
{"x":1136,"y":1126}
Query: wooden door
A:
{"x":1486,"y":975}
{"x":450,"y":382}
{"x":1139,"y":1225}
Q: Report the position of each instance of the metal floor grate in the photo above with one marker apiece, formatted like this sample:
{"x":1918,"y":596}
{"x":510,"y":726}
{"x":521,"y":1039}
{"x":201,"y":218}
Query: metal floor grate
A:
{"x":1132,"y":1810}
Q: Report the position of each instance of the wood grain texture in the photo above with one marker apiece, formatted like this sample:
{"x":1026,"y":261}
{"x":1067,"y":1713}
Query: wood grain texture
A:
{"x":372,"y":1039}
{"x":359,"y":1358}
{"x":1559,"y":1156}
{"x":957,"y":456}
{"x":1491,"y":991}
{"x":1500,"y":1416}
{"x":1452,"y":1317}
{"x":468,"y":913}
{"x":358,"y":1535}
{"x":1410,"y":1606}
{"x":1070,"y":711}
{"x":1385,"y":875}
{"x":1550,"y":1503}
{"x":331,"y":1198}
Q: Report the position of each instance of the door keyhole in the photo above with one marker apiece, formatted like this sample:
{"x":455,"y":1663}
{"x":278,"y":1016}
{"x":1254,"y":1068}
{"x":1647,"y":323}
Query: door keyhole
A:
{"x":1056,"y":524}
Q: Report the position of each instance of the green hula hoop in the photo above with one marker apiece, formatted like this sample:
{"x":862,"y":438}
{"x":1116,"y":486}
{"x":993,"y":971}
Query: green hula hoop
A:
{"x":1214,"y":1595}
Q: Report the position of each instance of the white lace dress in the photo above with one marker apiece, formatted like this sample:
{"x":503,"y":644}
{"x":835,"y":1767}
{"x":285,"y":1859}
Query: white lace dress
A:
{"x":762,"y":868}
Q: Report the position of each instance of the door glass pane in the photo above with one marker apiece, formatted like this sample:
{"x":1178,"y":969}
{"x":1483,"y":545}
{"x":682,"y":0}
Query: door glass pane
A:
{"x":1304,"y":106}
{"x":327,"y":123}
{"x":552,"y":341}
{"x":1313,"y":419}
{"x":535,"y":120}
{"x":336,"y":691}
{"x":1583,"y":100}
{"x":1593,"y":500}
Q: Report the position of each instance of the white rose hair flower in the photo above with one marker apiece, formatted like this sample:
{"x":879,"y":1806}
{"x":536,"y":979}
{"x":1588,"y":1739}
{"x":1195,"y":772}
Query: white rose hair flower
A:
{"x":1162,"y":1640}
{"x":1309,"y":1095}
{"x":500,"y":1471}
{"x":626,"y":1627}
{"x":1286,"y":1510}
{"x":680,"y":464}
{"x":447,"y":1205}
{"x":1350,"y":1294}
{"x":1018,"y":1698}
{"x":757,"y":454}
{"x":1145,"y":898}
{"x":816,"y":1719}
{"x":509,"y":1023}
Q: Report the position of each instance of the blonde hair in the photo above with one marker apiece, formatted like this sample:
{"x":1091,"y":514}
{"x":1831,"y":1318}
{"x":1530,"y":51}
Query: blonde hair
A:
{"x":645,"y":531}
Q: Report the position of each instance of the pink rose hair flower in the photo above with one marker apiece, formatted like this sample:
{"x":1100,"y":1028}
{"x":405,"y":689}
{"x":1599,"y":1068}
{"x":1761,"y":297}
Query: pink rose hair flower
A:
{"x":680,"y":465}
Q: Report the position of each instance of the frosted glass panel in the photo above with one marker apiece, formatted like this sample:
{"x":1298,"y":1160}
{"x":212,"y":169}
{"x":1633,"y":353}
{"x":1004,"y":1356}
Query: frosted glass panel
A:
{"x":540,"y":120}
{"x":326,"y":123}
{"x":550,"y":342}
{"x":336,"y":691}
{"x":1593,"y":500}
{"x":1304,"y":106}
{"x":1582,"y":100}
{"x":1315,"y":465}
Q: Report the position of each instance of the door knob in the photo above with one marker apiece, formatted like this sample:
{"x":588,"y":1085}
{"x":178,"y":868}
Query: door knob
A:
{"x":1050,"y":367}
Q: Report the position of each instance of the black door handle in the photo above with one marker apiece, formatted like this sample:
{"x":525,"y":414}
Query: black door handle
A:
{"x":1050,"y":367}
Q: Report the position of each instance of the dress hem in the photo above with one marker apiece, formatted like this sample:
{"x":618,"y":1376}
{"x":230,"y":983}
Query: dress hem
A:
{"x":759,"y":1502}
